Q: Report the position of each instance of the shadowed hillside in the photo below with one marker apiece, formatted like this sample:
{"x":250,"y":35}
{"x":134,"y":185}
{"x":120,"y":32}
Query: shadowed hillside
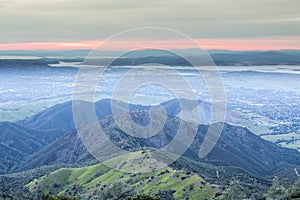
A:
{"x":237,"y":146}
{"x":18,"y":142}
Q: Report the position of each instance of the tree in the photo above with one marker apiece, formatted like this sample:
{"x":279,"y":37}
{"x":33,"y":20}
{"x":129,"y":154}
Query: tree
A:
{"x":234,"y":191}
{"x":142,"y":197}
{"x":49,"y":197}
{"x":114,"y":191}
{"x":166,"y":195}
{"x":294,"y":190}
{"x":277,"y":190}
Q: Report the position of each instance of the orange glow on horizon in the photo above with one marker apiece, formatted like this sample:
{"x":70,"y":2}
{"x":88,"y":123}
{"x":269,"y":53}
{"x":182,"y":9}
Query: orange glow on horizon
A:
{"x":207,"y":44}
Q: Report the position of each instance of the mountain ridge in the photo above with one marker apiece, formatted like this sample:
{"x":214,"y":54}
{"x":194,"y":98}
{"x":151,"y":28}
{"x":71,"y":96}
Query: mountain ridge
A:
{"x":236,"y":146}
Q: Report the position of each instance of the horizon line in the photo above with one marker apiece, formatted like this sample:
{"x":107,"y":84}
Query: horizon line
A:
{"x":242,"y":50}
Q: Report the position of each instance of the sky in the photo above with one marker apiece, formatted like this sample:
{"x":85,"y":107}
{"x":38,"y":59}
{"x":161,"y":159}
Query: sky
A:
{"x":214,"y":24}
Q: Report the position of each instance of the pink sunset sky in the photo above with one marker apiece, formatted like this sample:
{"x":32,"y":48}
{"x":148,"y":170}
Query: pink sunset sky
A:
{"x":207,"y":44}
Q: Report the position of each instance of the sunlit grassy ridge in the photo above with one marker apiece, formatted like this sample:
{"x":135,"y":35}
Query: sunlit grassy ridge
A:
{"x":73,"y":181}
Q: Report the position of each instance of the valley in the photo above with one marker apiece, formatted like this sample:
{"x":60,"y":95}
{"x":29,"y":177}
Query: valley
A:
{"x":42,"y":153}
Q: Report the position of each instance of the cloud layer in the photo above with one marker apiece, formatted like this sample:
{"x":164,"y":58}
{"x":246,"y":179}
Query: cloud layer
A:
{"x":77,"y":20}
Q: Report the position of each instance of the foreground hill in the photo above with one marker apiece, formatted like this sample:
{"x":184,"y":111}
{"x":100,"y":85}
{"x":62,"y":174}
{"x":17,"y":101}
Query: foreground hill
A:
{"x":236,"y":146}
{"x":184,"y":174}
{"x":18,"y":142}
{"x":178,"y":184}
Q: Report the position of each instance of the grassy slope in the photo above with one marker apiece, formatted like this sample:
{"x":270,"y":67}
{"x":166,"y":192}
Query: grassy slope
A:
{"x":185,"y":184}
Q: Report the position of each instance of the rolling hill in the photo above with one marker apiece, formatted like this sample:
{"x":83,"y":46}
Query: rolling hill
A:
{"x":92,"y":179}
{"x":88,"y":181}
{"x":60,"y":116}
{"x":59,"y":120}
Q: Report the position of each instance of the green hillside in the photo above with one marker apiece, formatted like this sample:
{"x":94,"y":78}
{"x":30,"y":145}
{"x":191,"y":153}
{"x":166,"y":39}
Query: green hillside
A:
{"x":74,"y":181}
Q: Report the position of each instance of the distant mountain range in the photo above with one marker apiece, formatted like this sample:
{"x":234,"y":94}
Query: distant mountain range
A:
{"x":220,"y":57}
